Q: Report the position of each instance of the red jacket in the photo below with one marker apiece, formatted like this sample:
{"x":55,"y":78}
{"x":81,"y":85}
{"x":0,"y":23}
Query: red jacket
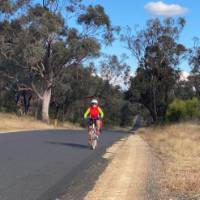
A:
{"x":94,"y":112}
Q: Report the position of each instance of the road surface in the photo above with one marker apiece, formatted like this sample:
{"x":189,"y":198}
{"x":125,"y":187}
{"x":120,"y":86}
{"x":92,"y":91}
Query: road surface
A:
{"x":38,"y":165}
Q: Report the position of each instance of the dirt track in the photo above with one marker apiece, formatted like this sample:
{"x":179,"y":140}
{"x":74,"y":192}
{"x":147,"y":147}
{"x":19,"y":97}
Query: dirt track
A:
{"x":130,"y":174}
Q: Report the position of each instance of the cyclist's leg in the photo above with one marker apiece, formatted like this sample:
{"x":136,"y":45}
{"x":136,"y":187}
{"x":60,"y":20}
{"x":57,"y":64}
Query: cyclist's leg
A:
{"x":98,"y":124}
{"x":101,"y":125}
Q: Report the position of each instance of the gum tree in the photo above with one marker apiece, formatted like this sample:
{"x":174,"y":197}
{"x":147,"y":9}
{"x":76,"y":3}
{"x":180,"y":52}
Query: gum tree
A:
{"x":194,"y":61}
{"x":158,"y":55}
{"x":38,"y":44}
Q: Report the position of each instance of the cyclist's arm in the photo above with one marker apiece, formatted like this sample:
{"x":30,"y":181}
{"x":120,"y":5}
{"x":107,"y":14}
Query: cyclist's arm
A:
{"x":86,"y":113}
{"x":101,"y":113}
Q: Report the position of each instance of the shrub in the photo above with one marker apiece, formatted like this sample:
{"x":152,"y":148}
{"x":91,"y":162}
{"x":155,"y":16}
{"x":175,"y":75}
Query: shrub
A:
{"x":7,"y":101}
{"x":193,"y":108}
{"x":180,"y":110}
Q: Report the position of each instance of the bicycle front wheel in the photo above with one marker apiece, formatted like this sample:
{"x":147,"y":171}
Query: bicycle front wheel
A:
{"x":94,"y":143}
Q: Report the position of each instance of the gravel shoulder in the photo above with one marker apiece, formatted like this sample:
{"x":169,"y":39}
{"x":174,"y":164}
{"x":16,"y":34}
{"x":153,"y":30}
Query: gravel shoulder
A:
{"x":128,"y":172}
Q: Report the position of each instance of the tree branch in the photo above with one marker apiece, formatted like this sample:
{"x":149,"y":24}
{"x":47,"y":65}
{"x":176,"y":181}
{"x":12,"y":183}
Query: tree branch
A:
{"x":36,"y":91}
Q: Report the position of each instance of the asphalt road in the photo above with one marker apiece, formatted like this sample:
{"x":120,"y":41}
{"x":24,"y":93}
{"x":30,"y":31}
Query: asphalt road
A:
{"x":38,"y":165}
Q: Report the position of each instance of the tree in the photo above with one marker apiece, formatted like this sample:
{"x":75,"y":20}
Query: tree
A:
{"x":158,"y":54}
{"x":185,"y":90}
{"x":38,"y":45}
{"x":74,"y":91}
{"x":71,"y":91}
{"x":194,"y":60}
{"x":9,"y":30}
{"x":115,"y":71}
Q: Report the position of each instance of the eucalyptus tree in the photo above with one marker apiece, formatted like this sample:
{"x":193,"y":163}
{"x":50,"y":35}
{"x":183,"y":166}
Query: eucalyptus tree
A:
{"x":158,"y":55}
{"x":73,"y":88}
{"x":194,"y":61}
{"x":185,"y":89}
{"x":39,"y":43}
{"x":115,"y":71}
{"x":10,"y":20}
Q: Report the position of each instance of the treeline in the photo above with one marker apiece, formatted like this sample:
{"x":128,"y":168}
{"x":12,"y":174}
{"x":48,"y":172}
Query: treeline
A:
{"x":70,"y":98}
{"x":159,"y":79}
{"x":48,"y":67}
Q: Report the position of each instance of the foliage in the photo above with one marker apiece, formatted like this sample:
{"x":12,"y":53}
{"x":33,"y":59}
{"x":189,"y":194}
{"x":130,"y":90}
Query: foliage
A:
{"x":194,"y":61}
{"x":180,"y":110}
{"x":7,"y":102}
{"x":115,"y":71}
{"x":74,"y":91}
{"x":158,"y":54}
{"x":47,"y":64}
{"x":38,"y":45}
{"x":184,"y":89}
{"x":128,"y":111}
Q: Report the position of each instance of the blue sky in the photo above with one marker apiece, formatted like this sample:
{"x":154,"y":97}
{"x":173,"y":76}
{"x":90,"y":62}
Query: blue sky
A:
{"x":137,"y":12}
{"x":133,"y":12}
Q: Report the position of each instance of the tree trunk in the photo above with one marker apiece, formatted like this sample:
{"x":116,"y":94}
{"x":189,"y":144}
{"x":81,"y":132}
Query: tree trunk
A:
{"x":155,"y":115}
{"x":37,"y":108}
{"x":45,"y":105}
{"x":27,"y":98}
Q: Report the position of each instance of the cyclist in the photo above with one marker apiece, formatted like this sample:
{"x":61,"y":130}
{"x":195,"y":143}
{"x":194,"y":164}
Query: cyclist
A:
{"x":95,"y":114}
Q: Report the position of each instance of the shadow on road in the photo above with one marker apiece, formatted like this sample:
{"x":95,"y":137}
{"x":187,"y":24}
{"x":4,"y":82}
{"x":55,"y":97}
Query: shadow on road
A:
{"x":80,"y":146}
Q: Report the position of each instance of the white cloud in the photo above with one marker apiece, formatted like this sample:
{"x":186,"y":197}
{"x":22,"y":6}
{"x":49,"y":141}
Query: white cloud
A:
{"x":167,"y":10}
{"x":184,"y":75}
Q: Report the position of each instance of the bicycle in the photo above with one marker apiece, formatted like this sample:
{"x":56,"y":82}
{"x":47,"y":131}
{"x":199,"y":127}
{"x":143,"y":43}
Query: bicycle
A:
{"x":93,"y":136}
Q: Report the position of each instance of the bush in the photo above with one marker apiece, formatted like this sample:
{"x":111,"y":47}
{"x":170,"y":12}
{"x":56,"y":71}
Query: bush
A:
{"x":180,"y":110}
{"x":193,"y":108}
{"x":7,"y":102}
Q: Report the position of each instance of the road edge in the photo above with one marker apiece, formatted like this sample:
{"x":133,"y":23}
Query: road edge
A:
{"x":60,"y":188}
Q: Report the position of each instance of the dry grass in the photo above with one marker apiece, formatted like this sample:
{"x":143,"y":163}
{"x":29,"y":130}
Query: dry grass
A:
{"x":178,"y":146}
{"x":11,"y":122}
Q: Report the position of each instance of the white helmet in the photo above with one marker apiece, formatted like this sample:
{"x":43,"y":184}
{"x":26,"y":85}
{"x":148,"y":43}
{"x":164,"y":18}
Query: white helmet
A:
{"x":94,"y":101}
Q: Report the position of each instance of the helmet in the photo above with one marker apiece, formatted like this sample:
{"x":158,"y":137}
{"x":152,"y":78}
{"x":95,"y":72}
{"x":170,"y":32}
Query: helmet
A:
{"x":94,"y":101}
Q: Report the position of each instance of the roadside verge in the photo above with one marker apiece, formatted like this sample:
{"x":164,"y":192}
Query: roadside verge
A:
{"x":13,"y":123}
{"x":126,"y":171}
{"x":128,"y":175}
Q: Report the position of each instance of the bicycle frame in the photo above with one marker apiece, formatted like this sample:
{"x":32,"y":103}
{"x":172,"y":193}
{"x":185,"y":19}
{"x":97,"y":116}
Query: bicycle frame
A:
{"x":93,"y":136}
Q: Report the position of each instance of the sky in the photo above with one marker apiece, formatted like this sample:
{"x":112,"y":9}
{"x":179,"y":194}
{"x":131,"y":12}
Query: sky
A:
{"x":137,"y":12}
